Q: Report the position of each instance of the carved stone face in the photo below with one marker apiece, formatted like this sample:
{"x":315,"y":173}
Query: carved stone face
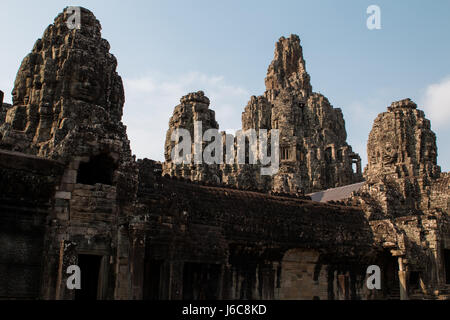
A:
{"x":389,"y":153}
{"x":85,"y":86}
{"x":373,"y":157}
{"x":430,"y":152}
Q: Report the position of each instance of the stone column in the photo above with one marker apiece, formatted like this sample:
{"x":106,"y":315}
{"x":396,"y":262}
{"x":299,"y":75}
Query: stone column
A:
{"x":402,"y":276}
{"x":227,"y":282}
{"x":166,"y":280}
{"x":176,"y":280}
{"x":221,"y":280}
{"x":137,"y":261}
{"x":1,"y":98}
{"x":358,"y":166}
{"x":68,"y":257}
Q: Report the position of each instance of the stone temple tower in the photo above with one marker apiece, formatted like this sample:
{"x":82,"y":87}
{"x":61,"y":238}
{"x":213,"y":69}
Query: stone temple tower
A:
{"x":67,"y":91}
{"x":402,"y":144}
{"x":406,"y":197}
{"x":67,"y":107}
{"x":193,"y":107}
{"x":402,"y":165}
{"x":314,"y":154}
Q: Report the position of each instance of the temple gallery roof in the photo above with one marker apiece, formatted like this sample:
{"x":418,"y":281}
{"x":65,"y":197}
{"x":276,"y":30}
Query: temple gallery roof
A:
{"x":336,"y":194}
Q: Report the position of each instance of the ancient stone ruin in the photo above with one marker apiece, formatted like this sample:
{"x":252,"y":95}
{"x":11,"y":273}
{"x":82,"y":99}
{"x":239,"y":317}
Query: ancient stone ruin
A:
{"x":314,"y":153}
{"x":71,"y":193}
{"x":406,"y":197}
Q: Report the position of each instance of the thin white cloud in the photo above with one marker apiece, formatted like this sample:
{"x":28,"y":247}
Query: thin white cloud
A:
{"x":150,"y":100}
{"x":437,"y":103}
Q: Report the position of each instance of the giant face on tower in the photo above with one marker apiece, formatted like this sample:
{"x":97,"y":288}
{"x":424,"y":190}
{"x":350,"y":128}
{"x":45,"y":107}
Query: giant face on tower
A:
{"x":389,"y":153}
{"x":67,"y":83}
{"x":84,"y":85}
{"x":401,"y":141}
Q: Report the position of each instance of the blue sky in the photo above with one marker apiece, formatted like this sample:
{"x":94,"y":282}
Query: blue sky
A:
{"x":166,"y":49}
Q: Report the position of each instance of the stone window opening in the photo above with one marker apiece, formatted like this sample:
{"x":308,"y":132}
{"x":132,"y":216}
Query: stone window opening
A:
{"x":356,"y":164}
{"x":99,"y":169}
{"x":285,"y":153}
{"x":180,"y":151}
{"x":340,"y":155}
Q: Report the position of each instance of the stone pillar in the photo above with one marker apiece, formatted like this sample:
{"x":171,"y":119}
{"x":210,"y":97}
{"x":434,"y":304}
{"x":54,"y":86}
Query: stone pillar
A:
{"x":319,"y":154}
{"x":345,"y":155}
{"x":122,"y":287}
{"x":1,"y":98}
{"x":176,"y":280}
{"x":358,"y":166}
{"x":439,"y":265}
{"x":68,"y":257}
{"x":402,"y":276}
{"x":166,"y":271}
{"x":221,"y":281}
{"x":422,"y":285}
{"x":227,"y":283}
{"x":255,"y":285}
{"x":137,"y":261}
{"x":343,"y":286}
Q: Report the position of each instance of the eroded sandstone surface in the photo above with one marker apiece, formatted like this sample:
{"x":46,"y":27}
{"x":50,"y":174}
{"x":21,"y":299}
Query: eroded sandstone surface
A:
{"x":314,"y":153}
{"x":72,"y":193}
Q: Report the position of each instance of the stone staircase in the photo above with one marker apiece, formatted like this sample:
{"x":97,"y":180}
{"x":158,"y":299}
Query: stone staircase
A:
{"x":444,"y":293}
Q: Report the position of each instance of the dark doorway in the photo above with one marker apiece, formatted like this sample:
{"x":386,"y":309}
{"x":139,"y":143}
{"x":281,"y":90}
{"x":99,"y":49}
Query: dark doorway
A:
{"x":90,"y":271}
{"x":152,"y":279}
{"x":390,"y":283}
{"x":447,"y":265}
{"x":201,"y":281}
{"x":99,"y":169}
{"x":414,"y":281}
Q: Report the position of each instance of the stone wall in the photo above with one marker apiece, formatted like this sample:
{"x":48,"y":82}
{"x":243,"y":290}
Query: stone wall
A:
{"x":27,"y":187}
{"x":246,"y":235}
